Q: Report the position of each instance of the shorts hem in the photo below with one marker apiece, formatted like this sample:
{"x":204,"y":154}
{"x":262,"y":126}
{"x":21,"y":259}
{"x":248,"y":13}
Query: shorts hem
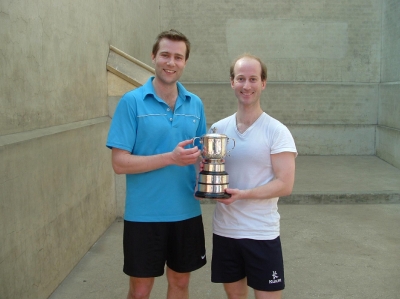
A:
{"x":131,"y":274}
{"x":194,"y":268}
{"x":269,"y":290}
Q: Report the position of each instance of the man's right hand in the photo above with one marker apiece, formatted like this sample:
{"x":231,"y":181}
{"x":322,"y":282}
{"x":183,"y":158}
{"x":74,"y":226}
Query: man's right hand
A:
{"x":182,"y":156}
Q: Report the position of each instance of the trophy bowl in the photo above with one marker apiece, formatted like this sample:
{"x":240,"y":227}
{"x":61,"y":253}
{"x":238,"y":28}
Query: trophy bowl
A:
{"x":214,"y":145}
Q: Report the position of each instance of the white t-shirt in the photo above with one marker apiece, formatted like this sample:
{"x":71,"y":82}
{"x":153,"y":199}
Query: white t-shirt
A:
{"x":249,"y":165}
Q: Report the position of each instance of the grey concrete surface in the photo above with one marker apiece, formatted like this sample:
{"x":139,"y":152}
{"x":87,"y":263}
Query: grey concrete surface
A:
{"x":331,"y":250}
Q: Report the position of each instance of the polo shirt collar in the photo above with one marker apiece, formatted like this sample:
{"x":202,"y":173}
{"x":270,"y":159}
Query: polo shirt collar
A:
{"x":149,"y":90}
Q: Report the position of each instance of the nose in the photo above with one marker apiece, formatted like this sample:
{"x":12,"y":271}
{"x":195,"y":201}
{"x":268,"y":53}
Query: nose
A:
{"x":171,"y":61}
{"x":246,"y":84}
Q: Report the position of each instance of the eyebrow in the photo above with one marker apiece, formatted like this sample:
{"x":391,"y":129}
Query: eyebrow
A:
{"x":175,"y":54}
{"x":251,"y":77}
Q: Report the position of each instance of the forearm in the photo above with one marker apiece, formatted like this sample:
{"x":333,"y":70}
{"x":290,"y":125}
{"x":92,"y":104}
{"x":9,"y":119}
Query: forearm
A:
{"x":125,"y":163}
{"x":274,"y":188}
{"x":131,"y":164}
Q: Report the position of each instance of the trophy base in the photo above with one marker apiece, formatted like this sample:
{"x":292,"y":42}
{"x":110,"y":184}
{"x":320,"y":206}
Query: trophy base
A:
{"x":212,"y":195}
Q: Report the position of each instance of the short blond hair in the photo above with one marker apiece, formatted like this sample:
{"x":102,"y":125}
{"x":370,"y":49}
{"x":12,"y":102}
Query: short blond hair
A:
{"x":248,"y":55}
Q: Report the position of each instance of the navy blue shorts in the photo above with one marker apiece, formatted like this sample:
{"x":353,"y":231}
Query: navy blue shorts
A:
{"x":148,"y":246}
{"x":260,"y":261}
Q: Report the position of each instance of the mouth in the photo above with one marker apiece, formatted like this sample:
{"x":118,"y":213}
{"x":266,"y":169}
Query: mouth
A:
{"x":169,"y":71}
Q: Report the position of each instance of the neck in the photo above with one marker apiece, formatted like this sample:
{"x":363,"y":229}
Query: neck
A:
{"x":167,"y":92}
{"x":244,"y":119}
{"x":248,"y":117}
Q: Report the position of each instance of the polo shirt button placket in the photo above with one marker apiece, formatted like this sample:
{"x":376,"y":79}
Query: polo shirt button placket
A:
{"x":168,"y":110}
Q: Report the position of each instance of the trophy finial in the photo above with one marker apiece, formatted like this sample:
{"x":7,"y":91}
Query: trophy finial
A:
{"x":214,"y":129}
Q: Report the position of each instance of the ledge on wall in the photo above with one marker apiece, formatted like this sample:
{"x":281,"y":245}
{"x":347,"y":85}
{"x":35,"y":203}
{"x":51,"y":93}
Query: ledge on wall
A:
{"x":38,"y":133}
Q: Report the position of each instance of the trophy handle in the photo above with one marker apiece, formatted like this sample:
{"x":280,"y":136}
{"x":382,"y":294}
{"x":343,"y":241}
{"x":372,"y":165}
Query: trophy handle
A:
{"x":194,"y":139}
{"x":234,"y":144}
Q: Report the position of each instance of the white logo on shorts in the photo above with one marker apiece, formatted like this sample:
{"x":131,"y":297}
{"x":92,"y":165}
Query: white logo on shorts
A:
{"x":275,"y":278}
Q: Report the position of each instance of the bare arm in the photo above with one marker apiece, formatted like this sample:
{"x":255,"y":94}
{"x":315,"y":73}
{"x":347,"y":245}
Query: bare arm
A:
{"x":124,"y":162}
{"x":283,"y":165}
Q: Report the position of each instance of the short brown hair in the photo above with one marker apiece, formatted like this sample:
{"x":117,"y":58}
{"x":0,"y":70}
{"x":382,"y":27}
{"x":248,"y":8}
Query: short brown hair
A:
{"x":248,"y":55}
{"x":174,"y":35}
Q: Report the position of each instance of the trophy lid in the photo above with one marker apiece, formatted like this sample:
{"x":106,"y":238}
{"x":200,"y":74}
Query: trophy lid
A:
{"x":214,"y":134}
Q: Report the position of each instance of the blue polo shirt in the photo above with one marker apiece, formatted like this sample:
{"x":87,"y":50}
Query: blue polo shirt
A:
{"x":144,"y":125}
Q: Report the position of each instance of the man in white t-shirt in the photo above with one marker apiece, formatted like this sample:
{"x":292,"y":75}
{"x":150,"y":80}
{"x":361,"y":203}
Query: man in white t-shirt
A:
{"x":246,"y":244}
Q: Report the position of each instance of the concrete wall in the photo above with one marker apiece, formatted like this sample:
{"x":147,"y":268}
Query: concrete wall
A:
{"x":388,"y":131}
{"x":57,"y":187}
{"x":323,"y":59}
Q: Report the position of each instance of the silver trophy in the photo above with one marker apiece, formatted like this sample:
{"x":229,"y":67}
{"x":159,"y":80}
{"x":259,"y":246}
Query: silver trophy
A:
{"x":213,"y":179}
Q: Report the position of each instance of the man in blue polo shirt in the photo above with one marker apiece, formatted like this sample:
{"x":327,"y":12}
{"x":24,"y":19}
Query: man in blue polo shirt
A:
{"x":151,"y":140}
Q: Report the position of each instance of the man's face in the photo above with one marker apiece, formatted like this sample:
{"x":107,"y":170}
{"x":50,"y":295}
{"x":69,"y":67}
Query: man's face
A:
{"x":169,"y":61}
{"x":247,"y":82}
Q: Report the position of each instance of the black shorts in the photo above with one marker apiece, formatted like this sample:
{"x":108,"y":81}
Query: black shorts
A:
{"x":148,"y":246}
{"x":260,"y":261}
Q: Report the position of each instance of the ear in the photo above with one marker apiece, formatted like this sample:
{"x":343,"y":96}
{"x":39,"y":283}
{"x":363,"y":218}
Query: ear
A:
{"x":152,"y":58}
{"x":232,"y":83}
{"x":264,"y":84}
